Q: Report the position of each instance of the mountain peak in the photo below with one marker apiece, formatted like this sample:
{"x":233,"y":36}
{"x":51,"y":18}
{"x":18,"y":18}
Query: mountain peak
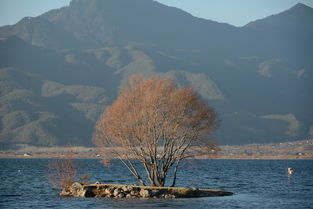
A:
{"x":298,"y":14}
{"x":300,"y":8}
{"x":108,"y":22}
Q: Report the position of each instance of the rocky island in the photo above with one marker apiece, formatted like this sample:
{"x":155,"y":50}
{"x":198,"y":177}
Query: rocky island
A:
{"x":134,"y":191}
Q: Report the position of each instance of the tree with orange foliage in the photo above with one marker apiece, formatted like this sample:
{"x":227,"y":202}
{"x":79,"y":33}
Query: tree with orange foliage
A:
{"x":157,"y":123}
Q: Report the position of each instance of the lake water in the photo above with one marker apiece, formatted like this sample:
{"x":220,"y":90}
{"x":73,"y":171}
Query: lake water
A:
{"x":256,"y":184}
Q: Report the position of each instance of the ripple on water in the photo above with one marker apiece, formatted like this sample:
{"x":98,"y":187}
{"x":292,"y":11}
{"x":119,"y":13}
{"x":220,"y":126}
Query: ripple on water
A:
{"x":256,"y":183}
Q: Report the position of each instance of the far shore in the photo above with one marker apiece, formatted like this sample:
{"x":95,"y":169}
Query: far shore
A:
{"x":301,"y":149}
{"x":57,"y":156}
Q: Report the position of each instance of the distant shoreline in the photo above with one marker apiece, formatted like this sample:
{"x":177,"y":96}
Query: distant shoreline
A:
{"x":301,"y":149}
{"x":217,"y":157}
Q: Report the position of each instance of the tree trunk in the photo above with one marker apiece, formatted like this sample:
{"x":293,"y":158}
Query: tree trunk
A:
{"x":175,"y":173}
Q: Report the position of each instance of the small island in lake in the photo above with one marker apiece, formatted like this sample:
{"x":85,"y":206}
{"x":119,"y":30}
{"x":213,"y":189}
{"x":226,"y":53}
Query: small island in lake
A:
{"x":134,"y":191}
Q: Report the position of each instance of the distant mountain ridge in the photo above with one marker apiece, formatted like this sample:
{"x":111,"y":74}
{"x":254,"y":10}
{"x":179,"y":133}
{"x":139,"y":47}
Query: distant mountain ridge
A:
{"x":118,"y":22}
{"x":58,"y":71}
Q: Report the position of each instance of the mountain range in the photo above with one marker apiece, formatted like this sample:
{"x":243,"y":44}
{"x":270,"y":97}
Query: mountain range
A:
{"x":59,"y":70}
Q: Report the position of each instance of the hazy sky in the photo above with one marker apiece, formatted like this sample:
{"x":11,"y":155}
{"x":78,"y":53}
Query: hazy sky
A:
{"x":235,"y":12}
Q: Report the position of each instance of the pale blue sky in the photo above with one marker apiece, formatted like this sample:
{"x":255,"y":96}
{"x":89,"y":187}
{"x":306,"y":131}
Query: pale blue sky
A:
{"x":235,"y":12}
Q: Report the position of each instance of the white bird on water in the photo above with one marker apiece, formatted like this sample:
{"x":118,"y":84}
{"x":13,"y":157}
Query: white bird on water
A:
{"x":290,"y":171}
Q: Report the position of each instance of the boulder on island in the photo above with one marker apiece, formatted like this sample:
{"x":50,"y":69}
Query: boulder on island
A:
{"x":132,"y":191}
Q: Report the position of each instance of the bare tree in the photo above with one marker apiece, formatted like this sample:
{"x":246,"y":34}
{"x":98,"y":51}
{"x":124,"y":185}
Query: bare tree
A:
{"x":157,"y":123}
{"x":62,"y":172}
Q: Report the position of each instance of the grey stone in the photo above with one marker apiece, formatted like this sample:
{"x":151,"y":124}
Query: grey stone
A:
{"x":145,"y":193}
{"x":127,"y":188}
{"x":169,"y":196}
{"x":76,"y":189}
{"x":117,"y":191}
{"x":134,"y":193}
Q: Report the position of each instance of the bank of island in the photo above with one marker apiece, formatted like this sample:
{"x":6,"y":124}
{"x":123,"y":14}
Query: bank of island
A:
{"x":133,"y":191}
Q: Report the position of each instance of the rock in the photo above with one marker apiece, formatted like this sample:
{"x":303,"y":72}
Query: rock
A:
{"x":65,"y":192}
{"x":145,"y":193}
{"x":111,"y":196}
{"x":117,"y":191}
{"x":76,"y":186}
{"x":107,"y":191}
{"x":110,"y":190}
{"x":134,"y":193}
{"x":77,"y":190}
{"x":169,"y":196}
{"x":127,"y":188}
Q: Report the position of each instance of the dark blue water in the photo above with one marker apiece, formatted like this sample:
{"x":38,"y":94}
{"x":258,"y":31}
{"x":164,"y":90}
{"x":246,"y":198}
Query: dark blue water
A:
{"x":256,"y":184}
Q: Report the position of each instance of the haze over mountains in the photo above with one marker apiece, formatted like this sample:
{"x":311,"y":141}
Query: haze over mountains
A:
{"x":60,"y":69}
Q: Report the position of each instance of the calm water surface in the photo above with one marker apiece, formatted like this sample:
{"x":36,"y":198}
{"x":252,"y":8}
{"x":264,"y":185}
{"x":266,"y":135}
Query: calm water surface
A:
{"x":256,"y":184}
